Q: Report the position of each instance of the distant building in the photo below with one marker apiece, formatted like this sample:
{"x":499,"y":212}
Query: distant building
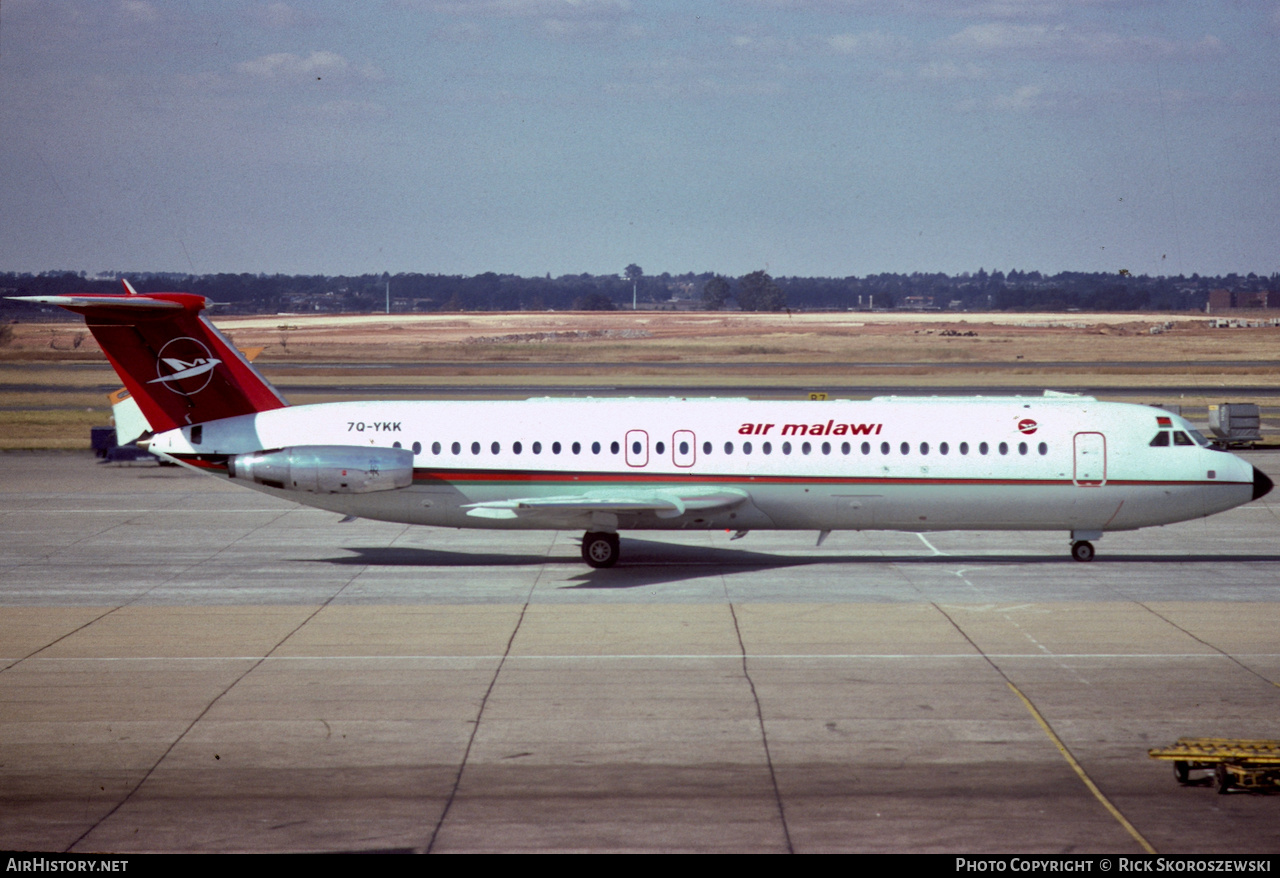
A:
{"x":915,"y":303}
{"x":1226,"y":300}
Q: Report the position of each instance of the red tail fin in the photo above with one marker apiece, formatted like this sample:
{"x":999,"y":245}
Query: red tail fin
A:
{"x":176,"y":364}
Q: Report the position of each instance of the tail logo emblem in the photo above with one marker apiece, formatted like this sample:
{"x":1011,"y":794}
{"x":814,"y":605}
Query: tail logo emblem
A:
{"x":181,"y":363}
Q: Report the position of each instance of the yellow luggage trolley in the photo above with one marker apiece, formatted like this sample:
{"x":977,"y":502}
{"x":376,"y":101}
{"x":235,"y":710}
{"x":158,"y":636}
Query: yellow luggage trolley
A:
{"x":1234,"y":763}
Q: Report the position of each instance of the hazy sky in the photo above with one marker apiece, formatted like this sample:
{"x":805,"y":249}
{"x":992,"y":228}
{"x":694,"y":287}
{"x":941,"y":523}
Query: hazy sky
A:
{"x":805,"y":137}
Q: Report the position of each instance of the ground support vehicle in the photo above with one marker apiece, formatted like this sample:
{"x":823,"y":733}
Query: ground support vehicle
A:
{"x":1232,"y":763}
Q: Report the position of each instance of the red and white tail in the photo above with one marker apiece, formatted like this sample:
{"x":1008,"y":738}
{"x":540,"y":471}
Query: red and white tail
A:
{"x":176,"y":364}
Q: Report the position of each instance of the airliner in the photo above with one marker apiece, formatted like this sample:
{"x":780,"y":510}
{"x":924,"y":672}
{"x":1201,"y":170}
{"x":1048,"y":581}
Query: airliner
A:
{"x":1058,"y":462}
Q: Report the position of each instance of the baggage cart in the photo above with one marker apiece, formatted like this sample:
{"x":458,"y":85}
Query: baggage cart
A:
{"x":1231,"y":763}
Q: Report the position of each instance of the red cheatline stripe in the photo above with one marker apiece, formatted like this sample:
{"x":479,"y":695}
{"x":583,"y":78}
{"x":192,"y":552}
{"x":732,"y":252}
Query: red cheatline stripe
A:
{"x":686,"y":477}
{"x":631,"y":477}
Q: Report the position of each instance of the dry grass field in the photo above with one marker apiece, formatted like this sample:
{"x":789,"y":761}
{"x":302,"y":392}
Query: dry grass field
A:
{"x":53,"y":377}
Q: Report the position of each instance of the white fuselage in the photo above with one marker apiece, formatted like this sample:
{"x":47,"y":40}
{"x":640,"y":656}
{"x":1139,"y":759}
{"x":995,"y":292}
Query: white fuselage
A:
{"x":917,"y":464}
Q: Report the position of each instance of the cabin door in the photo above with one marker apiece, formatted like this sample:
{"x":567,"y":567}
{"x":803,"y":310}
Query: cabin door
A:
{"x":1091,"y":459}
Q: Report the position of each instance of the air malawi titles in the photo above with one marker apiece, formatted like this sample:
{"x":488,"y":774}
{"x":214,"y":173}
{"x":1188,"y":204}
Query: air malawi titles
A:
{"x":830,"y":428}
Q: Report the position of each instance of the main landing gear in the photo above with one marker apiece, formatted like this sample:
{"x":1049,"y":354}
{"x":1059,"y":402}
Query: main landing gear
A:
{"x":1082,"y":550}
{"x":600,"y":549}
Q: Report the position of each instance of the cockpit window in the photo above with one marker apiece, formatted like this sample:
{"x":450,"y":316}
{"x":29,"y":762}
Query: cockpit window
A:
{"x":1182,"y":438}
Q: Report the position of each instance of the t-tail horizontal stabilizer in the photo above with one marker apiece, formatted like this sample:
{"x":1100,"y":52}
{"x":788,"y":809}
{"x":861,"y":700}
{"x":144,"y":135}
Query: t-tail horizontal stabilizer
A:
{"x":178,"y":367}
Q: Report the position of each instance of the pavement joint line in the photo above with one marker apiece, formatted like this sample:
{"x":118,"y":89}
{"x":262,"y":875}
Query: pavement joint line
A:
{"x":208,"y":707}
{"x":132,"y":600}
{"x":475,"y":726}
{"x":1221,"y":652}
{"x":1072,"y":610}
{"x":1039,"y":718}
{"x":641,"y":656}
{"x":135,"y":510}
{"x":764,"y":734}
{"x":1079,"y":770}
{"x":1215,"y":648}
{"x":1063,"y":750}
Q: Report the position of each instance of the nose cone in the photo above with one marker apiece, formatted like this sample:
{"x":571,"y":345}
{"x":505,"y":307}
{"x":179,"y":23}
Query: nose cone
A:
{"x":1261,"y":484}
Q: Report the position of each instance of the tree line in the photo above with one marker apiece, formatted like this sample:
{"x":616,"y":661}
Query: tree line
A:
{"x":756,"y":291}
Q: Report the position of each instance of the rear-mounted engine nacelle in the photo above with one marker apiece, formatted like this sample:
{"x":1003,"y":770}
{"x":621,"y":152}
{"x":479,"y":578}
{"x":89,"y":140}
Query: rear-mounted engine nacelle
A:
{"x":326,"y":469}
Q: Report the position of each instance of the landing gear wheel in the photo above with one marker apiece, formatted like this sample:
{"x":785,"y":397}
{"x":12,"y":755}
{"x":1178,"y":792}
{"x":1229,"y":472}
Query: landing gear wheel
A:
{"x":1082,"y":550}
{"x":600,"y":549}
{"x":1182,"y":772}
{"x":1222,"y":778}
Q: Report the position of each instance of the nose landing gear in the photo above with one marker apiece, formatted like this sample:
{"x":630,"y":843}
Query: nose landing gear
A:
{"x":1082,"y":550}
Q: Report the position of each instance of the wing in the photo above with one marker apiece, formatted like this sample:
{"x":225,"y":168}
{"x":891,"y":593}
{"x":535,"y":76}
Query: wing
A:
{"x":662,"y":502}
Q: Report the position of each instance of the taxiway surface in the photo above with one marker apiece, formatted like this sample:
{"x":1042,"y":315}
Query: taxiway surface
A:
{"x":187,"y":666}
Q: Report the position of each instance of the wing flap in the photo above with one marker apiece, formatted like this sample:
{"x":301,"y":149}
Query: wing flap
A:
{"x":664,"y":503}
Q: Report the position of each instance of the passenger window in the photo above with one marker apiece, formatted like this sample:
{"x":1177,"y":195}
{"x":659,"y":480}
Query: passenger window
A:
{"x":475,"y":447}
{"x":684,"y":448}
{"x":786,"y":447}
{"x":660,"y":448}
{"x":495,"y":448}
{"x":905,"y":448}
{"x":706,"y":447}
{"x":435,"y":447}
{"x":943,"y":449}
{"x":983,"y":448}
{"x":866,"y":447}
{"x":924,"y":447}
{"x":1022,"y":448}
{"x":964,"y":447}
{"x":595,"y":447}
{"x":826,"y":447}
{"x":1043,"y":449}
{"x":845,"y":448}
{"x":636,"y":446}
{"x":614,"y":446}
{"x":884,"y":447}
{"x":456,"y":448}
{"x":728,"y":448}
{"x":767,"y":448}
{"x":805,"y":448}
{"x":746,"y":447}
{"x":1181,"y":438}
{"x":1004,"y":447}
{"x":576,"y":448}
{"x":555,"y":447}
{"x":517,"y":447}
